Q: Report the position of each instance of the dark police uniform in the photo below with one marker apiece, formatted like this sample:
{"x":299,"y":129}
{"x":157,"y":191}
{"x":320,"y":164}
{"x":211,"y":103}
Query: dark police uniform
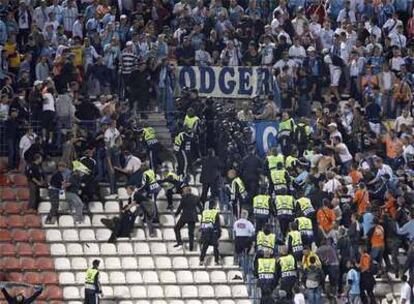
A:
{"x":266,"y":274}
{"x":210,"y":233}
{"x":182,"y":148}
{"x":92,"y":286}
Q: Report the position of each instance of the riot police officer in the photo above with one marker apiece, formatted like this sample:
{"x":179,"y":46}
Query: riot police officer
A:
{"x":304,"y":207}
{"x":92,"y":284}
{"x":284,"y":210}
{"x":262,"y":209}
{"x":286,"y":271}
{"x":210,"y":229}
{"x":271,"y":162}
{"x":152,"y":145}
{"x":266,"y":275}
{"x":286,"y":128}
{"x":294,"y":241}
{"x":237,"y":192}
{"x":182,"y":149}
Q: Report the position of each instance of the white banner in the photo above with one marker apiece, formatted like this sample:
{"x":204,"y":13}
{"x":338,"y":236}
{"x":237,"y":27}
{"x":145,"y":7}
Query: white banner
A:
{"x":227,"y":82}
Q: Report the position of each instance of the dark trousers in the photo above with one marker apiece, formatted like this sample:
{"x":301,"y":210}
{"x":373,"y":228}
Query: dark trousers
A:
{"x":91,"y":297}
{"x":209,"y":238}
{"x":13,"y":154}
{"x":177,"y":229}
{"x":34,"y":196}
{"x":213,"y":189}
{"x":261,"y":221}
{"x":287,"y":284}
{"x":169,"y":194}
{"x":54,"y":202}
{"x":23,"y":37}
{"x":284,"y":221}
{"x":182,"y":160}
{"x":267,"y":292}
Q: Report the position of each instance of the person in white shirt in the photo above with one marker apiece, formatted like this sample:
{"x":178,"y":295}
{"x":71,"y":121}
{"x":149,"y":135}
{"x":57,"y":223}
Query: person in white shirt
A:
{"x":397,"y":38}
{"x":230,"y":55}
{"x":299,"y":21}
{"x":382,"y":170}
{"x":346,"y":14}
{"x":267,"y":50}
{"x":392,"y":24}
{"x":131,"y":168}
{"x":326,"y":35}
{"x":297,"y":52}
{"x":285,"y":61}
{"x":112,"y":138}
{"x":57,"y":10}
{"x":40,"y":15}
{"x":332,"y":184}
{"x":48,"y":115}
{"x":404,"y":119}
{"x":202,"y":57}
{"x":243,"y":231}
{"x":25,"y":143}
{"x":77,"y":29}
{"x":342,"y":151}
{"x":70,"y":14}
{"x":405,"y":291}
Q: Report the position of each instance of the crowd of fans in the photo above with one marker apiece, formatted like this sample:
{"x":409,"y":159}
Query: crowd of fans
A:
{"x":78,"y":76}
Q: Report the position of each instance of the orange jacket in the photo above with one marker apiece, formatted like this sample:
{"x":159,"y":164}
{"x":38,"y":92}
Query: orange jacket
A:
{"x":326,"y":218}
{"x":365,"y":262}
{"x":361,"y":199}
{"x":390,"y":207}
{"x":377,"y":238}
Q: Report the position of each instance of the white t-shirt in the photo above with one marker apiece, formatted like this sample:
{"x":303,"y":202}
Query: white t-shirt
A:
{"x":133,"y":164}
{"x":110,"y":136}
{"x":243,"y":227}
{"x":331,"y":186}
{"x":343,"y":152}
{"x":401,"y":120}
{"x":25,"y":142}
{"x":406,"y":292}
{"x":48,"y":102}
{"x":299,"y":299}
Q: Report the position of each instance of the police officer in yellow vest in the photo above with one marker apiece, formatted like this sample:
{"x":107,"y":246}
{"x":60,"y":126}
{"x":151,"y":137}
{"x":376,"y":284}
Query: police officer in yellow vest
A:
{"x":192,"y":122}
{"x":263,"y":208}
{"x":238,"y":192}
{"x":171,"y":183}
{"x":286,"y":128}
{"x":266,"y":240}
{"x":286,"y":271}
{"x":271,"y":162}
{"x":149,"y":186}
{"x":304,"y":207}
{"x":284,"y":210}
{"x":294,"y":241}
{"x":151,"y":142}
{"x":280,"y":179}
{"x":265,"y":271}
{"x":210,"y":231}
{"x":92,"y":284}
{"x":182,"y":149}
{"x":305,"y":227}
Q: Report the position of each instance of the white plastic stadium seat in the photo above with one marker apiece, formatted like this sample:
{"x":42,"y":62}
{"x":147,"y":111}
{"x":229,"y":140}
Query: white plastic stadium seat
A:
{"x":184,"y":276}
{"x":172,"y":291}
{"x":177,"y":302}
{"x":210,"y":302}
{"x":87,"y":235}
{"x":167,"y":277}
{"x":229,"y":302}
{"x":107,"y":291}
{"x":53,"y":235}
{"x":189,"y":292}
{"x":103,"y":234}
{"x":239,"y":291}
{"x":70,"y":293}
{"x":223,"y":291}
{"x":62,"y":264}
{"x":163,"y":262}
{"x":57,"y":249}
{"x":146,"y":263}
{"x":138,"y":292}
{"x":201,"y":277}
{"x":91,"y":249}
{"x":95,"y":207}
{"x":141,"y":249}
{"x":96,"y":220}
{"x":193,"y":302}
{"x":205,"y":291}
{"x":129,"y":263}
{"x":133,"y":277}
{"x":168,"y":234}
{"x":112,"y":207}
{"x":74,"y":249}
{"x":70,"y":235}
{"x":158,"y":248}
{"x":218,"y":276}
{"x":66,"y":221}
{"x":44,"y":207}
{"x":150,"y":277}
{"x":125,"y":249}
{"x":117,"y":277}
{"x":180,"y":263}
{"x":113,"y":263}
{"x":79,"y":263}
{"x":167,"y":220}
{"x":121,"y":292}
{"x":108,"y":249}
{"x":155,"y":292}
{"x":66,"y":278}
{"x":122,"y":194}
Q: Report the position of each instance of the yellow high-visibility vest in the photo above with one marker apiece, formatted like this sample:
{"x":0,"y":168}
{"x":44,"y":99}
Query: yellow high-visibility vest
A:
{"x":305,"y":206}
{"x":296,"y":240}
{"x":237,"y":181}
{"x":265,"y":241}
{"x":149,"y":133}
{"x":304,"y":224}
{"x":278,"y":177}
{"x":287,"y":265}
{"x":209,"y":216}
{"x":261,"y":204}
{"x":273,"y":160}
{"x":266,"y":268}
{"x":190,"y":122}
{"x":284,"y":204}
{"x":90,"y":275}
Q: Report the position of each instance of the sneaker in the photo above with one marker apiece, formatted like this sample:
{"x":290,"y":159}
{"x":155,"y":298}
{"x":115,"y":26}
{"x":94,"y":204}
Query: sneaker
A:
{"x":178,"y":245}
{"x":107,"y":223}
{"x":237,"y":277}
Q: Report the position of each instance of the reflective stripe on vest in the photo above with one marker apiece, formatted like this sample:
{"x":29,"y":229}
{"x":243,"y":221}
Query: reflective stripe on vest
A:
{"x":284,"y":204}
{"x":266,"y":268}
{"x":261,"y":204}
{"x":237,"y":181}
{"x":278,"y":177}
{"x":287,"y":265}
{"x":296,"y":240}
{"x":149,"y":134}
{"x":289,"y":161}
{"x":305,"y":206}
{"x":304,"y":224}
{"x":273,"y":160}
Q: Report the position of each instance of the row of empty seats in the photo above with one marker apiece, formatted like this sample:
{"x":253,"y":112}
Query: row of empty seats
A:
{"x":126,"y":263}
{"x":31,"y":277}
{"x":22,"y":235}
{"x":14,"y":194}
{"x":27,"y":263}
{"x":20,"y":221}
{"x":152,"y":277}
{"x":49,"y":294}
{"x":17,"y":180}
{"x":161,"y":292}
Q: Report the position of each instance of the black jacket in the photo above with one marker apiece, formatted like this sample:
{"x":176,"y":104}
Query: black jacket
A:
{"x":210,"y":169}
{"x":251,"y":167}
{"x":189,"y":205}
{"x":12,"y":300}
